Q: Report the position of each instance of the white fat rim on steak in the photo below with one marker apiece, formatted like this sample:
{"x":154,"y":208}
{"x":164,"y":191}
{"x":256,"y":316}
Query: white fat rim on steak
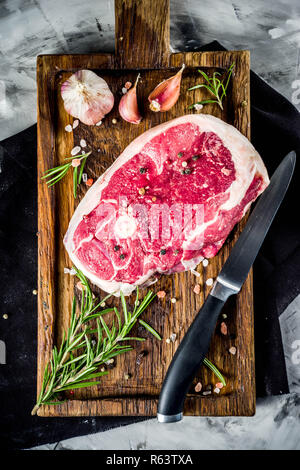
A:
{"x":246,"y":160}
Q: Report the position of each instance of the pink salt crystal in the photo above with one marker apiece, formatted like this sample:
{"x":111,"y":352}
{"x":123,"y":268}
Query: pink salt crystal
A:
{"x":161,"y":294}
{"x":224,"y":329}
{"x":75,"y":162}
{"x":219,"y":385}
{"x":198,"y":387}
{"x":128,"y":85}
{"x":79,"y":285}
{"x":197,"y":289}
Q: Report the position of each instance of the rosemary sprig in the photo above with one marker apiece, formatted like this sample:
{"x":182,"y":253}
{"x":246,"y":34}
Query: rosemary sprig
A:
{"x":76,"y":362}
{"x":216,"y":86}
{"x":59,"y":172}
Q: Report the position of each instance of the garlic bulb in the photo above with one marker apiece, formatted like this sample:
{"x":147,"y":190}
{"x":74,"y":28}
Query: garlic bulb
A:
{"x":128,"y":106}
{"x":166,"y":93}
{"x":87,"y":97}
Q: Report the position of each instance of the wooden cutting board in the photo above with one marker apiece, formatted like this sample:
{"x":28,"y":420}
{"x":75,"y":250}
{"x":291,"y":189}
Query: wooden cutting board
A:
{"x":142,"y":44}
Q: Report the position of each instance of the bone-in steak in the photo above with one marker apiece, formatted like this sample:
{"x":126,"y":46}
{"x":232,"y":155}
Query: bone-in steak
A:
{"x":169,"y":200}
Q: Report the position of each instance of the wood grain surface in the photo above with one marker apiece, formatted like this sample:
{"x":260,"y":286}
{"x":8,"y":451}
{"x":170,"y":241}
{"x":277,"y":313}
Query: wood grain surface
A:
{"x":142,"y":44}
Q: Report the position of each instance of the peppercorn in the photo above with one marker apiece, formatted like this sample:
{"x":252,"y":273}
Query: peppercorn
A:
{"x":122,"y":256}
{"x":163,"y":251}
{"x":195,"y":157}
{"x":179,"y":155}
{"x":176,"y":251}
{"x":142,"y":191}
{"x":142,"y":170}
{"x":187,"y":171}
{"x":116,"y":248}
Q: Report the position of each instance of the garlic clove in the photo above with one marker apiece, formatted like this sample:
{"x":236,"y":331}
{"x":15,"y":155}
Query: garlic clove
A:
{"x":128,"y":106}
{"x":166,"y":93}
{"x":87,"y":97}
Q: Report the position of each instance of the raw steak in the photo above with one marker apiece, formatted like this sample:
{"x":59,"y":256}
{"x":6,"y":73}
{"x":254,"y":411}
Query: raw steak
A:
{"x":168,"y":201}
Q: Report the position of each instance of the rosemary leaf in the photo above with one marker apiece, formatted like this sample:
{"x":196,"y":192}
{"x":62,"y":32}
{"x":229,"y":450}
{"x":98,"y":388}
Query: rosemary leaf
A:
{"x":149,"y":328}
{"x":216,"y":371}
{"x":75,"y":181}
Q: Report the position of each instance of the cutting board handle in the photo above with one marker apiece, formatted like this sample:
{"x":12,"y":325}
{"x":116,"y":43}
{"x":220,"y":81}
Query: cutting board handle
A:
{"x":142,"y":33}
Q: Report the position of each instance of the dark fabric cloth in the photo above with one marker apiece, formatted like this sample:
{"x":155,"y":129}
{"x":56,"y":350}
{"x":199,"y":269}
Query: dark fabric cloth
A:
{"x":275,"y":131}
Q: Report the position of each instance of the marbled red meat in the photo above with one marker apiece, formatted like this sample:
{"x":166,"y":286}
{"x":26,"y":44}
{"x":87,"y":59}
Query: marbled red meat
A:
{"x":168,"y":201}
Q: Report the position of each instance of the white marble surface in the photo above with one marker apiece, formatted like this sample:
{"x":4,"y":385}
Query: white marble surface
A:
{"x":271,"y":30}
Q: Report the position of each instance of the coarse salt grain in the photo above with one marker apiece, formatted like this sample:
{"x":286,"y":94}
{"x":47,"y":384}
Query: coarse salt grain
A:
{"x":5,"y":316}
{"x":173,"y":300}
{"x":83,"y":143}
{"x":72,"y":272}
{"x":34,"y":292}
{"x":205,"y":263}
{"x":89,"y":182}
{"x":84,"y":177}
{"x":184,"y":164}
{"x":75,"y":150}
{"x":198,"y":106}
{"x":99,"y":123}
{"x":198,"y":387}
{"x":114,"y":121}
{"x":209,"y":282}
{"x":207,"y":393}
{"x":173,"y":337}
{"x":75,"y":123}
{"x":124,"y":90}
{"x":102,"y":304}
{"x":161,"y":294}
{"x":195,"y":273}
{"x":197,"y":289}
{"x":68,"y":128}
{"x":232,"y":350}
{"x":224,"y":315}
{"x":168,"y":340}
{"x":217,"y":390}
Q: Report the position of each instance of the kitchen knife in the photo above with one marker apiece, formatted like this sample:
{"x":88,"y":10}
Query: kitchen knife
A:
{"x":195,"y":343}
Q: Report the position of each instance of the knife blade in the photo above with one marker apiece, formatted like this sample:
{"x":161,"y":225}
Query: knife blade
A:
{"x":194,"y":346}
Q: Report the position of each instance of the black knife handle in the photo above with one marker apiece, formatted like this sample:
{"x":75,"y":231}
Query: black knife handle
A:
{"x":187,"y":360}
